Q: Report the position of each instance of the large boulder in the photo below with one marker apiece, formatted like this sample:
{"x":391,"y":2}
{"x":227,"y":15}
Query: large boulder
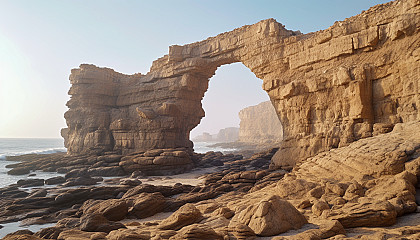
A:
{"x":19,"y":171}
{"x":32,"y":182}
{"x":98,"y":223}
{"x":186,"y":215}
{"x":55,"y":180}
{"x":111,"y":209}
{"x":81,"y":181}
{"x":147,"y":204}
{"x":271,"y":216}
{"x":50,"y":232}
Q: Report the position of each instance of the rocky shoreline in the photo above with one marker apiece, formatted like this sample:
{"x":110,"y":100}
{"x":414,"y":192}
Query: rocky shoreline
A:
{"x":55,"y":199}
{"x":336,"y":195}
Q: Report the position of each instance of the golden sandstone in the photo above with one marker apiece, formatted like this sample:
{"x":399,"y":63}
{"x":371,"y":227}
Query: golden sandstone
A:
{"x":348,"y":99}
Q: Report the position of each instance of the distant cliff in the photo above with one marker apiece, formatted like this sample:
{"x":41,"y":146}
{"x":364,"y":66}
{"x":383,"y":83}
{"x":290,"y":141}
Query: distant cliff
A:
{"x":260,"y":124}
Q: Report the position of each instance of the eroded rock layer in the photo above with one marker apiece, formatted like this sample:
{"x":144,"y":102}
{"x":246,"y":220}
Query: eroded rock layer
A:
{"x":353,"y":80}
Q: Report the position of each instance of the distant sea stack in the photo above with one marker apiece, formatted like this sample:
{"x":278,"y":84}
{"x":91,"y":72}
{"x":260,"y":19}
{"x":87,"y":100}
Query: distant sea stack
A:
{"x":228,"y":134}
{"x":260,"y":124}
{"x":224,"y":135}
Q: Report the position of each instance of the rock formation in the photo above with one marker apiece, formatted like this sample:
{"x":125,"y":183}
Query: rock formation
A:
{"x":224,"y":135}
{"x":326,"y":97}
{"x":228,"y":134}
{"x":353,"y":80}
{"x":205,"y":137}
{"x":260,"y":124}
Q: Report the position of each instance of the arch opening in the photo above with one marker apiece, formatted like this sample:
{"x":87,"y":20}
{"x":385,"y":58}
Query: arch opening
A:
{"x":238,"y":113}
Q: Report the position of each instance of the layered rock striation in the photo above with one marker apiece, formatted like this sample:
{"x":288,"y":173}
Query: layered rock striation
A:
{"x":260,"y":124}
{"x":353,"y":80}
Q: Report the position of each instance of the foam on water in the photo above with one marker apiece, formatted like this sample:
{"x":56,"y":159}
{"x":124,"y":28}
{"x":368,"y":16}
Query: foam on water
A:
{"x":39,"y":151}
{"x":14,"y":226}
{"x":203,"y":147}
{"x":21,"y":146}
{"x":16,"y":147}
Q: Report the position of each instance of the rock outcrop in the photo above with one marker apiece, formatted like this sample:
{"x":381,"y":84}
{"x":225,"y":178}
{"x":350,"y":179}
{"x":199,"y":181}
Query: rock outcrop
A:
{"x":260,"y":124}
{"x":271,"y":216}
{"x":354,"y":80}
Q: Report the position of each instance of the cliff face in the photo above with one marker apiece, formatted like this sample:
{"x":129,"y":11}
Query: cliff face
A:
{"x":353,"y":80}
{"x":260,"y":124}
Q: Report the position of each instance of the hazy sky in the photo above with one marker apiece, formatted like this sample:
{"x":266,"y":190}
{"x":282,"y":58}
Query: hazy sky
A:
{"x":41,"y":41}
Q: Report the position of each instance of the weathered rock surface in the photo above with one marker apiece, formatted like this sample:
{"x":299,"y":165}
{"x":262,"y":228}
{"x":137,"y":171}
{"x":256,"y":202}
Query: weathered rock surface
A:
{"x":366,"y":214}
{"x":260,"y":124}
{"x":98,"y":223}
{"x":186,"y":215}
{"x":368,"y":183}
{"x":271,"y":216}
{"x":353,"y":80}
{"x":147,"y":204}
{"x":111,"y":209}
{"x":158,"y":162}
{"x":326,"y":230}
{"x":197,"y":231}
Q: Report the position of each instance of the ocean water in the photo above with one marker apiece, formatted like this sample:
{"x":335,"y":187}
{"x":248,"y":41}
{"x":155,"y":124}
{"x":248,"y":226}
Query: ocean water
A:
{"x":15,"y":226}
{"x":20,"y":146}
{"x":203,"y":147}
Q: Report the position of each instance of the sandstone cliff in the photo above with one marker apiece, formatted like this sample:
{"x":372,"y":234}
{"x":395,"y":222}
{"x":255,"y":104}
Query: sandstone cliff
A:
{"x":329,"y":88}
{"x":260,"y":124}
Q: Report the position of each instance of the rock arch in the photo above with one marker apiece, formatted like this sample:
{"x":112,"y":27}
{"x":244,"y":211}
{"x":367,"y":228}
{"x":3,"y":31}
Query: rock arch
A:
{"x":350,"y":81}
{"x":159,"y":109}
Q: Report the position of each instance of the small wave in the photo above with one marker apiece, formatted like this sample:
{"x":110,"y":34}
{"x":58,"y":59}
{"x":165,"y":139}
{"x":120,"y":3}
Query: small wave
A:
{"x":39,"y":151}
